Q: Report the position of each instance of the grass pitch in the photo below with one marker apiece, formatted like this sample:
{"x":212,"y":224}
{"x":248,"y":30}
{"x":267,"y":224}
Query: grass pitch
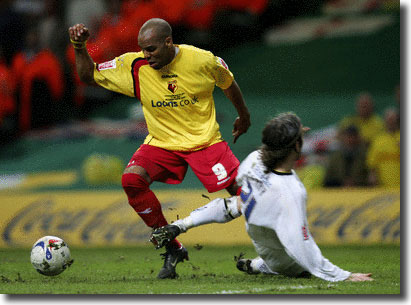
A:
{"x":210,"y":270}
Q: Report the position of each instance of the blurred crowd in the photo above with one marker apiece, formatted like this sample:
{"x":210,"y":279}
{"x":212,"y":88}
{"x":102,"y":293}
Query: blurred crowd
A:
{"x":367,"y":153}
{"x":39,"y":86}
{"x":38,"y":83}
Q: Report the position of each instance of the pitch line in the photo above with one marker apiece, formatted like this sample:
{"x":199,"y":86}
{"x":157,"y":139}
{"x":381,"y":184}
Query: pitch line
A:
{"x":258,"y":290}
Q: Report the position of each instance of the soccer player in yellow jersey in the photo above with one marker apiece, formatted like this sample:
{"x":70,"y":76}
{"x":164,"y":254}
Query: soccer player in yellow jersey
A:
{"x":384,"y":155}
{"x":174,"y":84}
{"x":369,"y":123}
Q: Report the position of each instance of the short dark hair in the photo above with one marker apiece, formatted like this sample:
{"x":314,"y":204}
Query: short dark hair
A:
{"x":279,"y":137}
{"x":161,"y":27}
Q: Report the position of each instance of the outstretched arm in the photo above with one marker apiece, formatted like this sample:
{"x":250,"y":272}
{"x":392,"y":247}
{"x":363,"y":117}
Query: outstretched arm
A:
{"x":84,"y":63}
{"x":242,"y":122}
{"x":220,"y":210}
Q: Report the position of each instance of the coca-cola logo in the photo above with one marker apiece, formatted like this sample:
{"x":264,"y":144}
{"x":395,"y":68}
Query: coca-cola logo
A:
{"x":86,"y":225}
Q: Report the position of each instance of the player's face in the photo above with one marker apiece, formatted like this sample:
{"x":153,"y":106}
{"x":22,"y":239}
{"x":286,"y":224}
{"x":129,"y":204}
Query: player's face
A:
{"x":365,"y":107}
{"x":158,"y":52}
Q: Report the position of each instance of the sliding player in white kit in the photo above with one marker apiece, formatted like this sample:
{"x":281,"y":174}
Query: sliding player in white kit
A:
{"x":273,"y":202}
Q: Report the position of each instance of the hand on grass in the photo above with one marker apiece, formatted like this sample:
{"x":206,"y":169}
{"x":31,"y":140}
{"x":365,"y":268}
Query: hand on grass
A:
{"x":360,"y":277}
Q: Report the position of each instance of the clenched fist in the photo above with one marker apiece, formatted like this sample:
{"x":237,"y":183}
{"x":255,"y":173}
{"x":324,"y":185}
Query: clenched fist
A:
{"x":79,"y":33}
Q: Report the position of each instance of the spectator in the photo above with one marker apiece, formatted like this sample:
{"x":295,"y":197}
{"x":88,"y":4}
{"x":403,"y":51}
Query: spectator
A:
{"x":87,"y":11}
{"x":312,"y":173}
{"x":50,"y":29}
{"x":347,"y":165}
{"x":106,"y":44}
{"x":7,"y":102}
{"x":40,"y":83}
{"x":366,"y":120}
{"x":384,"y":154}
{"x":12,"y":29}
{"x":236,"y":22}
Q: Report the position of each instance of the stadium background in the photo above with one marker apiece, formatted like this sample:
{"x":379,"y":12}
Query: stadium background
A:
{"x":63,"y":178}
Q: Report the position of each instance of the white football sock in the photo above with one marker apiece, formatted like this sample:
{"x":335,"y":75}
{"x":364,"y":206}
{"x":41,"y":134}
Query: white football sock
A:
{"x":259,"y":265}
{"x":216,"y":211}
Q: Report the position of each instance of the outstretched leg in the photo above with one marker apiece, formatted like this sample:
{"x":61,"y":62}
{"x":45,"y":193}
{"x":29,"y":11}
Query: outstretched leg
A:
{"x":220,"y":210}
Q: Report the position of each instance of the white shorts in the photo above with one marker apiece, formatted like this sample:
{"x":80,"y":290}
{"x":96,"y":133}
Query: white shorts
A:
{"x":270,"y":249}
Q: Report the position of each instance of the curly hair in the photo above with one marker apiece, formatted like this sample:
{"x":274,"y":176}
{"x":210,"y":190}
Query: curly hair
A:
{"x":279,"y":137}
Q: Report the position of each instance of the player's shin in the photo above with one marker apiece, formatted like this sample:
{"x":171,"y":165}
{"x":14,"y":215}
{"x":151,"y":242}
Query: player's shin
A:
{"x":145,"y":202}
{"x":220,"y":210}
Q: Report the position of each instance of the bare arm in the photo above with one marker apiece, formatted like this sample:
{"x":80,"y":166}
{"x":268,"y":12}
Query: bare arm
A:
{"x":242,"y":122}
{"x":84,"y":63}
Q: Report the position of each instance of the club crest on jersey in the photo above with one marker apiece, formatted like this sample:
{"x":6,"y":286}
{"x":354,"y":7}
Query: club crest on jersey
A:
{"x":172,"y":86}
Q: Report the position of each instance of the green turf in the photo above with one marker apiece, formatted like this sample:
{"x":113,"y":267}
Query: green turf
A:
{"x":211,"y":270}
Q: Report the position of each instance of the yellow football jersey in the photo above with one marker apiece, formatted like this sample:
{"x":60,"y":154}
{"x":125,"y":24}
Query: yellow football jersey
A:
{"x":177,"y":100}
{"x":368,"y":129}
{"x":384,"y":155}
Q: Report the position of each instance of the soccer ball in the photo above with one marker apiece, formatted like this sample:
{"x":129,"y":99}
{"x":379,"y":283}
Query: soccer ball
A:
{"x":50,"y":255}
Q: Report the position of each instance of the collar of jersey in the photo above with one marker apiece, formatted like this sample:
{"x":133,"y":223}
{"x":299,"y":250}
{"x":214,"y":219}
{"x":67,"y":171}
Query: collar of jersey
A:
{"x":281,"y":173}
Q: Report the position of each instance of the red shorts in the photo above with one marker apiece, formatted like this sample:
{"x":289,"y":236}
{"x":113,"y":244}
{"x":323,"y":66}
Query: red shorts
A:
{"x":215,"y":166}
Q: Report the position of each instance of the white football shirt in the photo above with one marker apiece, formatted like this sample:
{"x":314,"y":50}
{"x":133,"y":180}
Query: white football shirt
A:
{"x":274,"y":206}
